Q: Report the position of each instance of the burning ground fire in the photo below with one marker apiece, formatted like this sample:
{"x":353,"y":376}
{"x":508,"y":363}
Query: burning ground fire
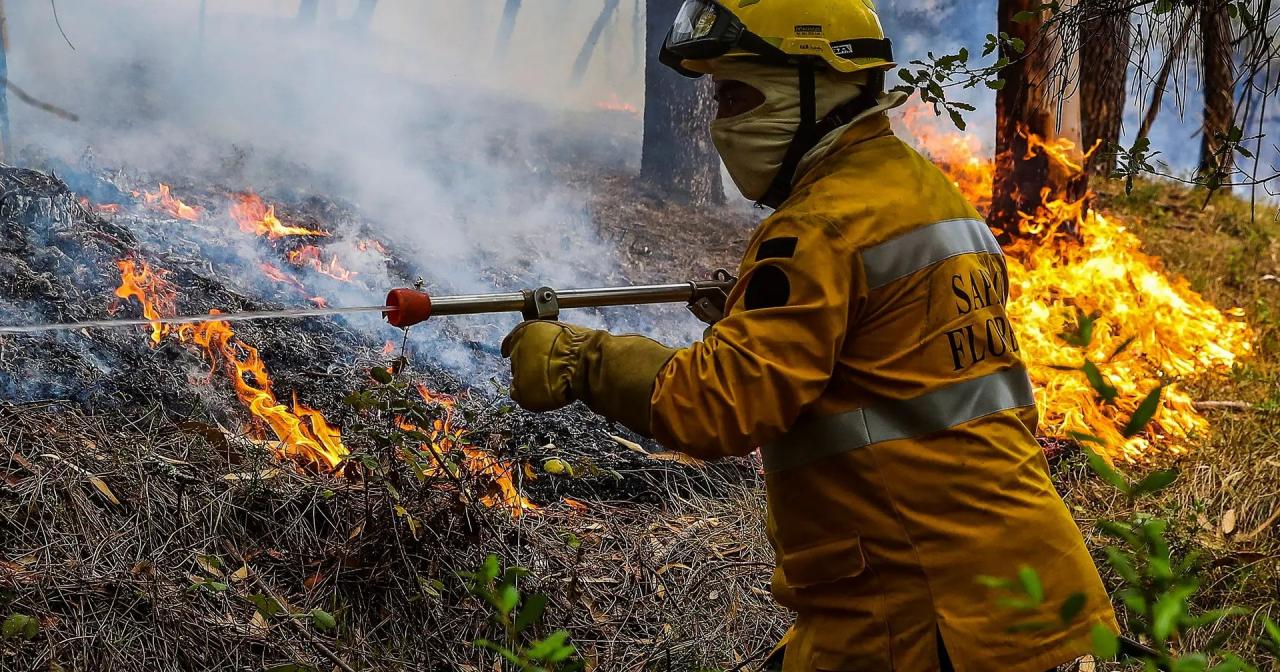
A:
{"x":1067,"y":259}
{"x":256,"y":217}
{"x":164,"y":201}
{"x":302,"y":433}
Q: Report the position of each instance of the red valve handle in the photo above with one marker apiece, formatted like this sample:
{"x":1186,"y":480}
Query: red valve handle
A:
{"x":409,"y":307}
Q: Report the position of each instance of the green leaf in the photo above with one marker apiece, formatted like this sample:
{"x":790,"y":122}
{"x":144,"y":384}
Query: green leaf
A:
{"x":1105,"y":643}
{"x":489,"y":570}
{"x":1192,"y":662}
{"x":1155,"y":482}
{"x":19,"y":626}
{"x":1232,"y":663}
{"x":1071,"y":607}
{"x":995,"y":582}
{"x":266,"y":605}
{"x":996,"y":84}
{"x":1017,"y":44}
{"x":1272,"y":642}
{"x":1124,"y":345}
{"x":531,"y":612}
{"x":1121,"y":563}
{"x":1106,"y":391}
{"x":381,"y":375}
{"x":507,"y":599}
{"x":1169,"y":611}
{"x":1081,"y":437}
{"x":1145,"y":411}
{"x":1105,"y":471}
{"x":1025,"y":16}
{"x":956,"y":118}
{"x":561,"y":654}
{"x":1083,"y":334}
{"x":323,"y":619}
{"x":543,"y":650}
{"x":1031,"y":585}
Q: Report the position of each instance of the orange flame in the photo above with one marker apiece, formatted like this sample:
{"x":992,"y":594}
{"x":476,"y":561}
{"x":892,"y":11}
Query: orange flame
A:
{"x":616,"y":104}
{"x":370,"y":244}
{"x":279,"y":275}
{"x":100,"y":208}
{"x":164,"y":201}
{"x":302,"y":434}
{"x":256,"y":217}
{"x":150,"y":289}
{"x":444,"y":437}
{"x":1068,"y":258}
{"x":310,"y":256}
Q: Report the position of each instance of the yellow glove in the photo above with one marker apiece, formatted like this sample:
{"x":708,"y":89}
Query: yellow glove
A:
{"x":554,"y":364}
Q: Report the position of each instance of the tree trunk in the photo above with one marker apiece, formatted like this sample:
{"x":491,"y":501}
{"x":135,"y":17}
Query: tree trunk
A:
{"x":1218,"y":80}
{"x":593,"y":37}
{"x":307,"y":11}
{"x":1027,"y":105}
{"x":677,"y":155}
{"x":506,"y":27}
{"x":5,"y":140}
{"x":1104,"y":40}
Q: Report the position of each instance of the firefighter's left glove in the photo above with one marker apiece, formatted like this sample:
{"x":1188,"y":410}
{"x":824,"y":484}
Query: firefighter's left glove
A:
{"x":554,"y":364}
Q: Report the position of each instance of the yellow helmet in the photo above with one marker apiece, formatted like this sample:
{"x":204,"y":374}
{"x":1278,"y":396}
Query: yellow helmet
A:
{"x":845,"y":34}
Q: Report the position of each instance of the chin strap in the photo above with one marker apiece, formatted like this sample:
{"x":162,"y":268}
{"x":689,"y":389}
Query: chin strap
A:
{"x":812,"y":130}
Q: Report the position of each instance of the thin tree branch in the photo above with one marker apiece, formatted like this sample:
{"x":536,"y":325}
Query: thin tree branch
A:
{"x":53,"y":4}
{"x":37,"y":103}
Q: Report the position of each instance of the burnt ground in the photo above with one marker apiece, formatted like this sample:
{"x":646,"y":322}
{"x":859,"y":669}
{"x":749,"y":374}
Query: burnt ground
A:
{"x":145,"y":518}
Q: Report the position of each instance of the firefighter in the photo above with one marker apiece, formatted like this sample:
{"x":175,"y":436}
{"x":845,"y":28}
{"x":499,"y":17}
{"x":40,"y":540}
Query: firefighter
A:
{"x":866,"y":350}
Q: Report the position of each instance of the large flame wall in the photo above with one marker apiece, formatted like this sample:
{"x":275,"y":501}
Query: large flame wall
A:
{"x":1066,"y":260}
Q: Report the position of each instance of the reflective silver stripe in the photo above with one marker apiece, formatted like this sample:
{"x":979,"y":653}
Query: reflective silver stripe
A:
{"x":899,"y":257}
{"x":911,"y":418}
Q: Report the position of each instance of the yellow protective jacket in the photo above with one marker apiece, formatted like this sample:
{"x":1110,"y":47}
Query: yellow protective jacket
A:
{"x":866,"y":350}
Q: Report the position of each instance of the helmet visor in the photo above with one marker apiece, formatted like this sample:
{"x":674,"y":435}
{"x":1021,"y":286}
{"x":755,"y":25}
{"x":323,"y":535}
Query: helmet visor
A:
{"x":695,"y":21}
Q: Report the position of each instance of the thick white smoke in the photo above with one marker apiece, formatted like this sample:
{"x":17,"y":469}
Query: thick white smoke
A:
{"x":443,"y":140}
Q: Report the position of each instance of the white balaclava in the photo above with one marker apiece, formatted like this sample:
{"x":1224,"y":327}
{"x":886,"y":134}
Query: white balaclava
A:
{"x":754,"y":144}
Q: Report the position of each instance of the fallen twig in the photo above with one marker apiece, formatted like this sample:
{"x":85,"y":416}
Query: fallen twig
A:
{"x":1222,"y":405}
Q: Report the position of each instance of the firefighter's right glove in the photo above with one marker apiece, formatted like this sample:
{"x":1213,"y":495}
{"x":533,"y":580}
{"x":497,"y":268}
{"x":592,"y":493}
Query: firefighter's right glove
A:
{"x":554,"y":364}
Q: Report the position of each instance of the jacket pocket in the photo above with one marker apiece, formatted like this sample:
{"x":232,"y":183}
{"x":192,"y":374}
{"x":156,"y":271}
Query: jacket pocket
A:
{"x":825,"y":563}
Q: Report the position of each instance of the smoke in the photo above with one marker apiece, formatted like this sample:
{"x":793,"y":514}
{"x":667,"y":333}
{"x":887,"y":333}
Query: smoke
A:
{"x":446,"y":147}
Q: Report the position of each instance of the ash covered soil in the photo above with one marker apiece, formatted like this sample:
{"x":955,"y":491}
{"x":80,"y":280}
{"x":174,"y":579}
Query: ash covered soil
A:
{"x":147,"y":517}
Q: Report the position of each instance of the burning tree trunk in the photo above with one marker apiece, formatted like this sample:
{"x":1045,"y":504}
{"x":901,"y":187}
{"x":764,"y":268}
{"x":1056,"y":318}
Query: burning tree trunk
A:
{"x":4,"y":83}
{"x":1027,"y":106}
{"x":1217,"y":79}
{"x":677,"y":155}
{"x":1105,"y":38}
{"x":589,"y":46}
